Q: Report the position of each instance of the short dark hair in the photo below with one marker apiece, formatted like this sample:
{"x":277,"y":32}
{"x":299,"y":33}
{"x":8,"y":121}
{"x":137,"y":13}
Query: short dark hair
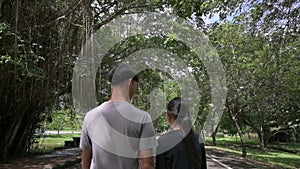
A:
{"x":120,"y":73}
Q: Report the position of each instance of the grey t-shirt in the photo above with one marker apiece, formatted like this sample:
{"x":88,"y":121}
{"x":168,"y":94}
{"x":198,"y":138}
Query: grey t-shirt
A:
{"x":116,"y":132}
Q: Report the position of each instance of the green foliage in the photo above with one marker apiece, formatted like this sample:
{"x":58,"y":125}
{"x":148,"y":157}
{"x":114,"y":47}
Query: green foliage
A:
{"x":64,"y":119}
{"x":161,"y":124}
{"x":40,"y":40}
{"x":35,"y":57}
{"x":262,"y":16}
{"x":257,"y":72}
{"x":18,"y":52}
{"x":155,"y":80}
{"x":171,"y":90}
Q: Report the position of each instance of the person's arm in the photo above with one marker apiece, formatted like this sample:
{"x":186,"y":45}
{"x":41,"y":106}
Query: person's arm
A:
{"x":148,"y":144}
{"x":86,"y":159}
{"x":85,"y":146}
{"x":147,"y":159}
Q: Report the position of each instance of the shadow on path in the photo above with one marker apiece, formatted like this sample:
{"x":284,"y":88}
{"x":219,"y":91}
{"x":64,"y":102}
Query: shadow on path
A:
{"x":57,"y":159}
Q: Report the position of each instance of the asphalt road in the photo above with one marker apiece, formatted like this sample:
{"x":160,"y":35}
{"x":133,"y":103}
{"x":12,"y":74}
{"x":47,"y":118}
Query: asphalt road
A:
{"x":217,"y":159}
{"x":60,"y":132}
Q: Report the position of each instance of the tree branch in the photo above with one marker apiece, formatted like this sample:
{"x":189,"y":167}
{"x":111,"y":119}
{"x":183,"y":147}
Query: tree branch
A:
{"x":61,"y":17}
{"x":117,"y":13}
{"x":1,"y":7}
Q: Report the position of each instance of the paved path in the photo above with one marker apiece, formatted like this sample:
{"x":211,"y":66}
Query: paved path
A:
{"x":217,"y":159}
{"x":58,"y":159}
{"x":60,"y":132}
{"x":70,"y":159}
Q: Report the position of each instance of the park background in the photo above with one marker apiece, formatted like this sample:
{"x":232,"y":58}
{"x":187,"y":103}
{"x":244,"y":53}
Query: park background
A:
{"x":257,"y":42}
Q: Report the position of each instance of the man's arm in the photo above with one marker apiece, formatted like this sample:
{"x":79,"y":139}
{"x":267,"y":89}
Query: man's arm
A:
{"x":147,"y":160}
{"x":86,"y":159}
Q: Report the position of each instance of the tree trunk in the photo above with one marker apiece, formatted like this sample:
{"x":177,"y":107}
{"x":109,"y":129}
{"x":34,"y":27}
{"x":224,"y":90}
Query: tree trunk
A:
{"x":233,"y":115}
{"x":12,"y":134}
{"x":244,"y":148}
{"x":58,"y":127}
{"x":214,"y":134}
{"x":262,"y":138}
{"x":267,"y":135}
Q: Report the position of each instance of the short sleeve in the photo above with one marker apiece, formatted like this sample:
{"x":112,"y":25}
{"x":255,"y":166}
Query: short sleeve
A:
{"x":147,"y":140}
{"x":85,"y":141}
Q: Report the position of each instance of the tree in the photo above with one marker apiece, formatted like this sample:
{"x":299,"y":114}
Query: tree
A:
{"x":40,"y":41}
{"x":35,"y":56}
{"x":257,"y":94}
{"x":157,"y":83}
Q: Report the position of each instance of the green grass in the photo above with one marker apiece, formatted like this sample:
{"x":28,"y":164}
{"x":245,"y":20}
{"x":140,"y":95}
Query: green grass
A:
{"x":47,"y":143}
{"x":290,"y":146}
{"x":279,"y":158}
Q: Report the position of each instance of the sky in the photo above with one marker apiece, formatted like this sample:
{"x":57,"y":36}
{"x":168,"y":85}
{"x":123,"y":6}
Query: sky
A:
{"x":215,"y":17}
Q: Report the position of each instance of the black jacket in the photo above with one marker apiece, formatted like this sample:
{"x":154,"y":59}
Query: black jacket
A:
{"x":172,"y":154}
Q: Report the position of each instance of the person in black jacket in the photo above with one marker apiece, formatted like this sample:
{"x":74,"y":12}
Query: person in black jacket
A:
{"x":180,"y":148}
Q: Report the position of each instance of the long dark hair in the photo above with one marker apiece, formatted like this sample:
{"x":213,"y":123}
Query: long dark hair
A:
{"x":178,"y":109}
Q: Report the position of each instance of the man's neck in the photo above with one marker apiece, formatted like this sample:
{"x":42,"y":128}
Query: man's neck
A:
{"x":118,"y":96}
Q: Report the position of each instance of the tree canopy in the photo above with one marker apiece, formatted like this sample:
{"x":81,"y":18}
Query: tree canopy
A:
{"x":257,"y":41}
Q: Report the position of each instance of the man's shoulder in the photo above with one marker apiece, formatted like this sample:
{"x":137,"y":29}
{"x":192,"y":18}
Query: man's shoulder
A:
{"x":131,"y":108}
{"x":127,"y":110}
{"x":143,"y":112}
{"x":91,"y":113}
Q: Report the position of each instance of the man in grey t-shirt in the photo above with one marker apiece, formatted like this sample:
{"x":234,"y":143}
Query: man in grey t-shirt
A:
{"x":117,"y":135}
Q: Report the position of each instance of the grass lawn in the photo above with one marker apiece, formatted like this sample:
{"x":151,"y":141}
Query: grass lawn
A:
{"x":47,"y":143}
{"x":279,"y":158}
